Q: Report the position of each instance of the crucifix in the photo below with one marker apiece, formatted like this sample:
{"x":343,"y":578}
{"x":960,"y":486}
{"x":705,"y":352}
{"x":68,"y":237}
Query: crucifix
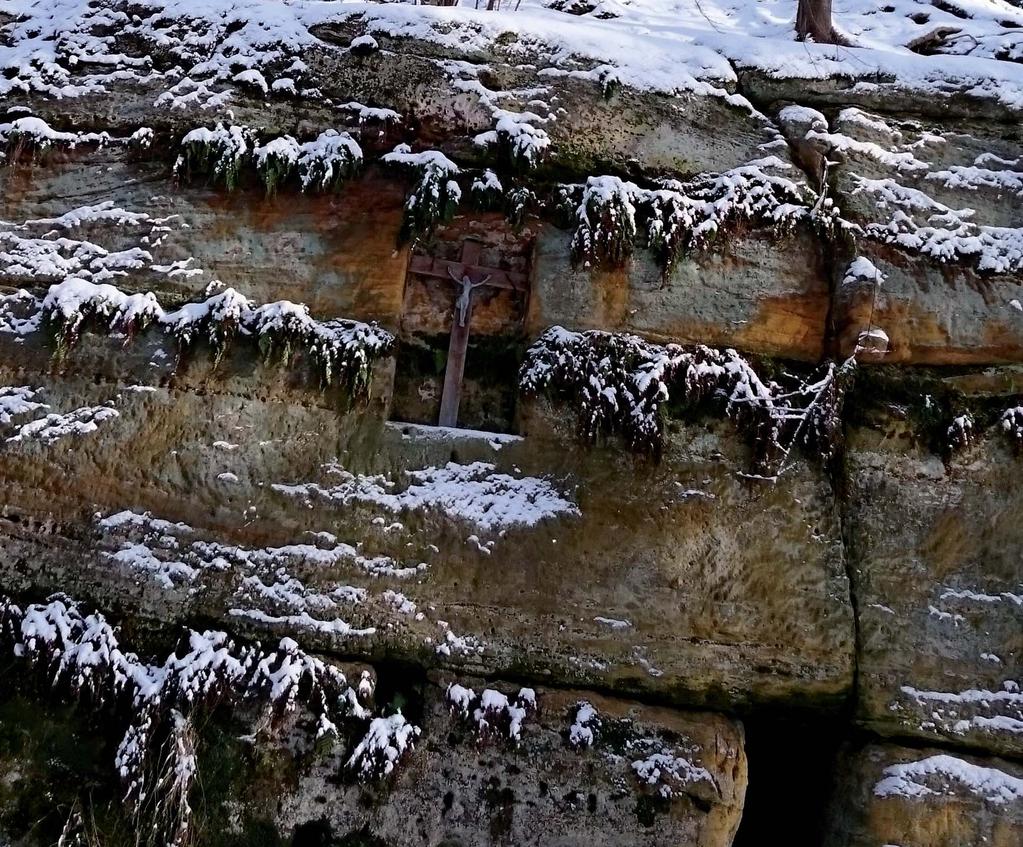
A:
{"x":467,"y":276}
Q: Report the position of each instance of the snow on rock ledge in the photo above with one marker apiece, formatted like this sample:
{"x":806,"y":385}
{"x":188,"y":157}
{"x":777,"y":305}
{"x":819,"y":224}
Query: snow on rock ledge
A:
{"x":476,"y":493}
{"x":944,"y":774}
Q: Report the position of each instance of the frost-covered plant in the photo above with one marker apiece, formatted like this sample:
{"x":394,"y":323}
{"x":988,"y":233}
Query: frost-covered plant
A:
{"x":342,"y":351}
{"x":1012,"y":425}
{"x":585,"y":727}
{"x":387,"y":741}
{"x":683,"y":217}
{"x":327,"y":161}
{"x":31,"y":137}
{"x":677,"y":217}
{"x":72,"y":304}
{"x":216,"y":320}
{"x":290,"y":676}
{"x":620,"y":384}
{"x":80,"y":654}
{"x":141,"y":140}
{"x":519,"y":136}
{"x":436,"y":195}
{"x":460,"y":699}
{"x":322,"y":164}
{"x":605,"y":222}
{"x":345,"y":350}
{"x":961,"y":432}
{"x":218,"y":153}
{"x":519,"y":203}
{"x":276,"y":162}
{"x":486,"y":192}
{"x":164,"y":804}
{"x":73,"y":832}
{"x":493,"y":714}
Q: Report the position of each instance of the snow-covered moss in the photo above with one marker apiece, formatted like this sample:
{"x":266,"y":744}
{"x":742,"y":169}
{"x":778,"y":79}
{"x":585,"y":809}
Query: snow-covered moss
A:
{"x":675,"y":218}
{"x":342,"y":351}
{"x":435,"y":196}
{"x":621,"y":384}
{"x":161,"y":702}
{"x":218,"y":153}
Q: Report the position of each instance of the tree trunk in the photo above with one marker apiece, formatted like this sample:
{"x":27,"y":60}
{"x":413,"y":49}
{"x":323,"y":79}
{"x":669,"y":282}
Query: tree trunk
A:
{"x":813,"y":22}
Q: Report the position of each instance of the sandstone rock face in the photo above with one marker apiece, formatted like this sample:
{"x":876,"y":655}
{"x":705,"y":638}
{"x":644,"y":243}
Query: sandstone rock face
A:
{"x":763,"y":500}
{"x":650,"y":776}
{"x":937,"y":576}
{"x":679,"y":579}
{"x":896,"y":795}
{"x":937,"y":222}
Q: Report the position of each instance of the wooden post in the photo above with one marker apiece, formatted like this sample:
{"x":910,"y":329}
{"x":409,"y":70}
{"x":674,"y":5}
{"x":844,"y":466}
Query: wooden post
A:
{"x":467,"y":275}
{"x":458,"y":346}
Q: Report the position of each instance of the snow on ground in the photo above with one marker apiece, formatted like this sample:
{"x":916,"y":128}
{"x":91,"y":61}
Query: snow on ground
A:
{"x":70,"y":48}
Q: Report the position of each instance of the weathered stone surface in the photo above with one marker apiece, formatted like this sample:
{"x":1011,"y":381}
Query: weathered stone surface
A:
{"x":435,"y":88}
{"x":753,"y":290}
{"x":925,"y":798}
{"x":337,"y":254}
{"x":932,"y":313}
{"x":728,"y":598}
{"x":933,"y":295}
{"x":935,"y":559}
{"x":458,"y":789}
{"x":876,"y":596}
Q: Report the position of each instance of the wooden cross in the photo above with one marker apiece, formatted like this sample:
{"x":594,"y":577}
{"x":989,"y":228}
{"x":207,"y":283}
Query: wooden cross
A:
{"x":467,"y":275}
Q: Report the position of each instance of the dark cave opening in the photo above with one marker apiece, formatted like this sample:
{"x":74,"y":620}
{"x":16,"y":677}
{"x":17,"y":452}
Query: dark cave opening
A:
{"x":789,"y":757}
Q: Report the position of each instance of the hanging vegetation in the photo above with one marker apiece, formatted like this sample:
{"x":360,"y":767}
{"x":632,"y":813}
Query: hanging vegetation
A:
{"x":621,"y":385}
